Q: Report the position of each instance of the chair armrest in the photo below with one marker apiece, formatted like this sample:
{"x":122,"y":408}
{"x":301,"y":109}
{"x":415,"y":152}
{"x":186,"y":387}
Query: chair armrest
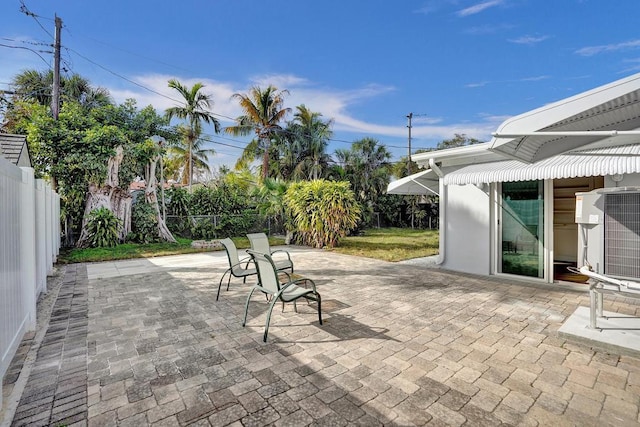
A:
{"x":289,"y":281}
{"x":245,"y":261}
{"x":283,"y":251}
{"x":305,"y":281}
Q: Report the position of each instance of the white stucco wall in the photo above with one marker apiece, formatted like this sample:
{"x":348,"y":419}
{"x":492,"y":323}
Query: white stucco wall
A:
{"x":628,"y":180}
{"x":468,"y":238}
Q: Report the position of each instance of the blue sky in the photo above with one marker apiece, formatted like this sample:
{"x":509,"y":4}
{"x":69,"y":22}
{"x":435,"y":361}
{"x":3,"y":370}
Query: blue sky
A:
{"x":460,"y":66}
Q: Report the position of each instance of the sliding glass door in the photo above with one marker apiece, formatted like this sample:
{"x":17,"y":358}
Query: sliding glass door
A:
{"x":522,"y":228}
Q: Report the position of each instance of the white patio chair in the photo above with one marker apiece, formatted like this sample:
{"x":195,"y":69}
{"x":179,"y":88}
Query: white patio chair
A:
{"x":270,"y":284}
{"x":236,"y":267}
{"x":260,"y":243}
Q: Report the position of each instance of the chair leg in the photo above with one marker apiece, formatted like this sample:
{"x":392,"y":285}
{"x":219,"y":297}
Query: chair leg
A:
{"x":319,"y":312}
{"x":266,"y":327}
{"x":228,"y":281}
{"x":220,"y":284}
{"x":246,"y":307}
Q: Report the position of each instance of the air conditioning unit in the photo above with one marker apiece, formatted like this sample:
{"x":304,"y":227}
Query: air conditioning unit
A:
{"x":609,"y":231}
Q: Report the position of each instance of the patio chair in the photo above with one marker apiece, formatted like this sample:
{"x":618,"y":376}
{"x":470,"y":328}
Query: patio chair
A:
{"x":285,"y":291}
{"x":260,"y":243}
{"x":236,"y":268}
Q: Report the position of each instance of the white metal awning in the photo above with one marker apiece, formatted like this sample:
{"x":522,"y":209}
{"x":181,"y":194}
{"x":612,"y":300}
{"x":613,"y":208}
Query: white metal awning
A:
{"x":596,"y":162}
{"x":615,"y":106}
{"x":423,"y":182}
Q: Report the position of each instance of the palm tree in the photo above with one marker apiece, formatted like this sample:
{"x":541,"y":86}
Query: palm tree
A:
{"x":33,"y":85}
{"x":194,"y":111}
{"x":78,"y":88}
{"x":366,"y":166}
{"x":312,"y":135}
{"x":262,"y":114}
{"x":178,"y":160}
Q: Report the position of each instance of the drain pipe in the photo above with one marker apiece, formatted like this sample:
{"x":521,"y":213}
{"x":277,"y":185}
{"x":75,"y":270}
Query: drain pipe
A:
{"x":442,"y":221}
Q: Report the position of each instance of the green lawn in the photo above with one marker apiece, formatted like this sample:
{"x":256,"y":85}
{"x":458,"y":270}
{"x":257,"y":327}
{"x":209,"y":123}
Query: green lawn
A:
{"x":132,"y":250}
{"x":389,"y":244}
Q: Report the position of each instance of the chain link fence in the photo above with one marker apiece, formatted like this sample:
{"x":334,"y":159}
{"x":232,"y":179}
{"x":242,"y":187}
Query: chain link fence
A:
{"x":218,"y":226}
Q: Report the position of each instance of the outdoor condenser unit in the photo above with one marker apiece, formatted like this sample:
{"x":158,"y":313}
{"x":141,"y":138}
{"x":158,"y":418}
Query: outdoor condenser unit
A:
{"x":609,"y":231}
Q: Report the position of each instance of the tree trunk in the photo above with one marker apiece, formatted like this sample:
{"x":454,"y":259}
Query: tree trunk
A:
{"x":151,"y":197}
{"x":265,"y":160}
{"x":119,"y":201}
{"x":116,"y":200}
{"x":109,"y":196}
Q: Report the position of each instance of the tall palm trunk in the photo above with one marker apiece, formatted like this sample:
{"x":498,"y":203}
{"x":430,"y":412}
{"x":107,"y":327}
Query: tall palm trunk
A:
{"x":190,"y":171}
{"x":265,"y":160}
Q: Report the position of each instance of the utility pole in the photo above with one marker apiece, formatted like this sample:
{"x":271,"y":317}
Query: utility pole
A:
{"x":409,"y":116}
{"x":55,"y":96}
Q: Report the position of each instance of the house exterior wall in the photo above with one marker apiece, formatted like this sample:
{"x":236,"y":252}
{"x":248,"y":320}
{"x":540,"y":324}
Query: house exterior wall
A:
{"x":628,"y":180}
{"x":468,"y":233}
{"x":468,"y":226}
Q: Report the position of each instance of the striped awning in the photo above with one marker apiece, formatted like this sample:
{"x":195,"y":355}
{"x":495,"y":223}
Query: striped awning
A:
{"x":423,"y":182}
{"x":595,"y":162}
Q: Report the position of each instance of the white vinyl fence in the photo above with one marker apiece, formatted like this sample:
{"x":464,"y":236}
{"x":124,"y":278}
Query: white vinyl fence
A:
{"x":29,"y":245}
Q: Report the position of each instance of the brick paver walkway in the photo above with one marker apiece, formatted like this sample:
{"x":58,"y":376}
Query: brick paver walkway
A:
{"x":401,"y":345}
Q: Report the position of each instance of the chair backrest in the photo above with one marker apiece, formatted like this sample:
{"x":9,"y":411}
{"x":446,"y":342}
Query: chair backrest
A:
{"x":259,"y":243}
{"x":232,"y":251}
{"x":267,"y":272}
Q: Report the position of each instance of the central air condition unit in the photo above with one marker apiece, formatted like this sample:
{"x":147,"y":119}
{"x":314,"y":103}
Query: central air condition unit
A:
{"x":609,"y":231}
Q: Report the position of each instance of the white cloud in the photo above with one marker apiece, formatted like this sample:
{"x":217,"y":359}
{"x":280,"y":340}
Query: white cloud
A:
{"x":488,"y":29}
{"x":332,"y":103}
{"x":164,"y":97}
{"x":523,"y":79}
{"x":418,"y":120}
{"x":634,"y":66}
{"x":594,"y":50}
{"x":336,"y":104}
{"x":428,"y":8}
{"x":477,"y":8}
{"x":279,"y":80}
{"x":532,"y":79}
{"x":528,"y":40}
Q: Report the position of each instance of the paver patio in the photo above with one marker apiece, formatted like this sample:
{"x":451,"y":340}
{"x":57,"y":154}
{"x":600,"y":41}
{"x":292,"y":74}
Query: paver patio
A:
{"x":145,"y":343}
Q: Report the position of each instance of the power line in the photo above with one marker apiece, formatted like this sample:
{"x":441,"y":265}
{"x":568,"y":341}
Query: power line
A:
{"x":30,"y":50}
{"x":121,"y":76}
{"x":24,"y":9}
{"x":27,"y":42}
{"x":130,"y":52}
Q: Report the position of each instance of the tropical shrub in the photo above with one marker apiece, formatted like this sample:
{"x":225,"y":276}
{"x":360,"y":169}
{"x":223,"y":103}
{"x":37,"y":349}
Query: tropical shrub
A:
{"x":270,"y":202}
{"x":103,"y":228}
{"x":228,"y":209}
{"x":237,"y":225}
{"x":177,"y":205}
{"x":177,"y":201}
{"x":204,"y":229}
{"x":144,"y":224}
{"x":322,"y":211}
